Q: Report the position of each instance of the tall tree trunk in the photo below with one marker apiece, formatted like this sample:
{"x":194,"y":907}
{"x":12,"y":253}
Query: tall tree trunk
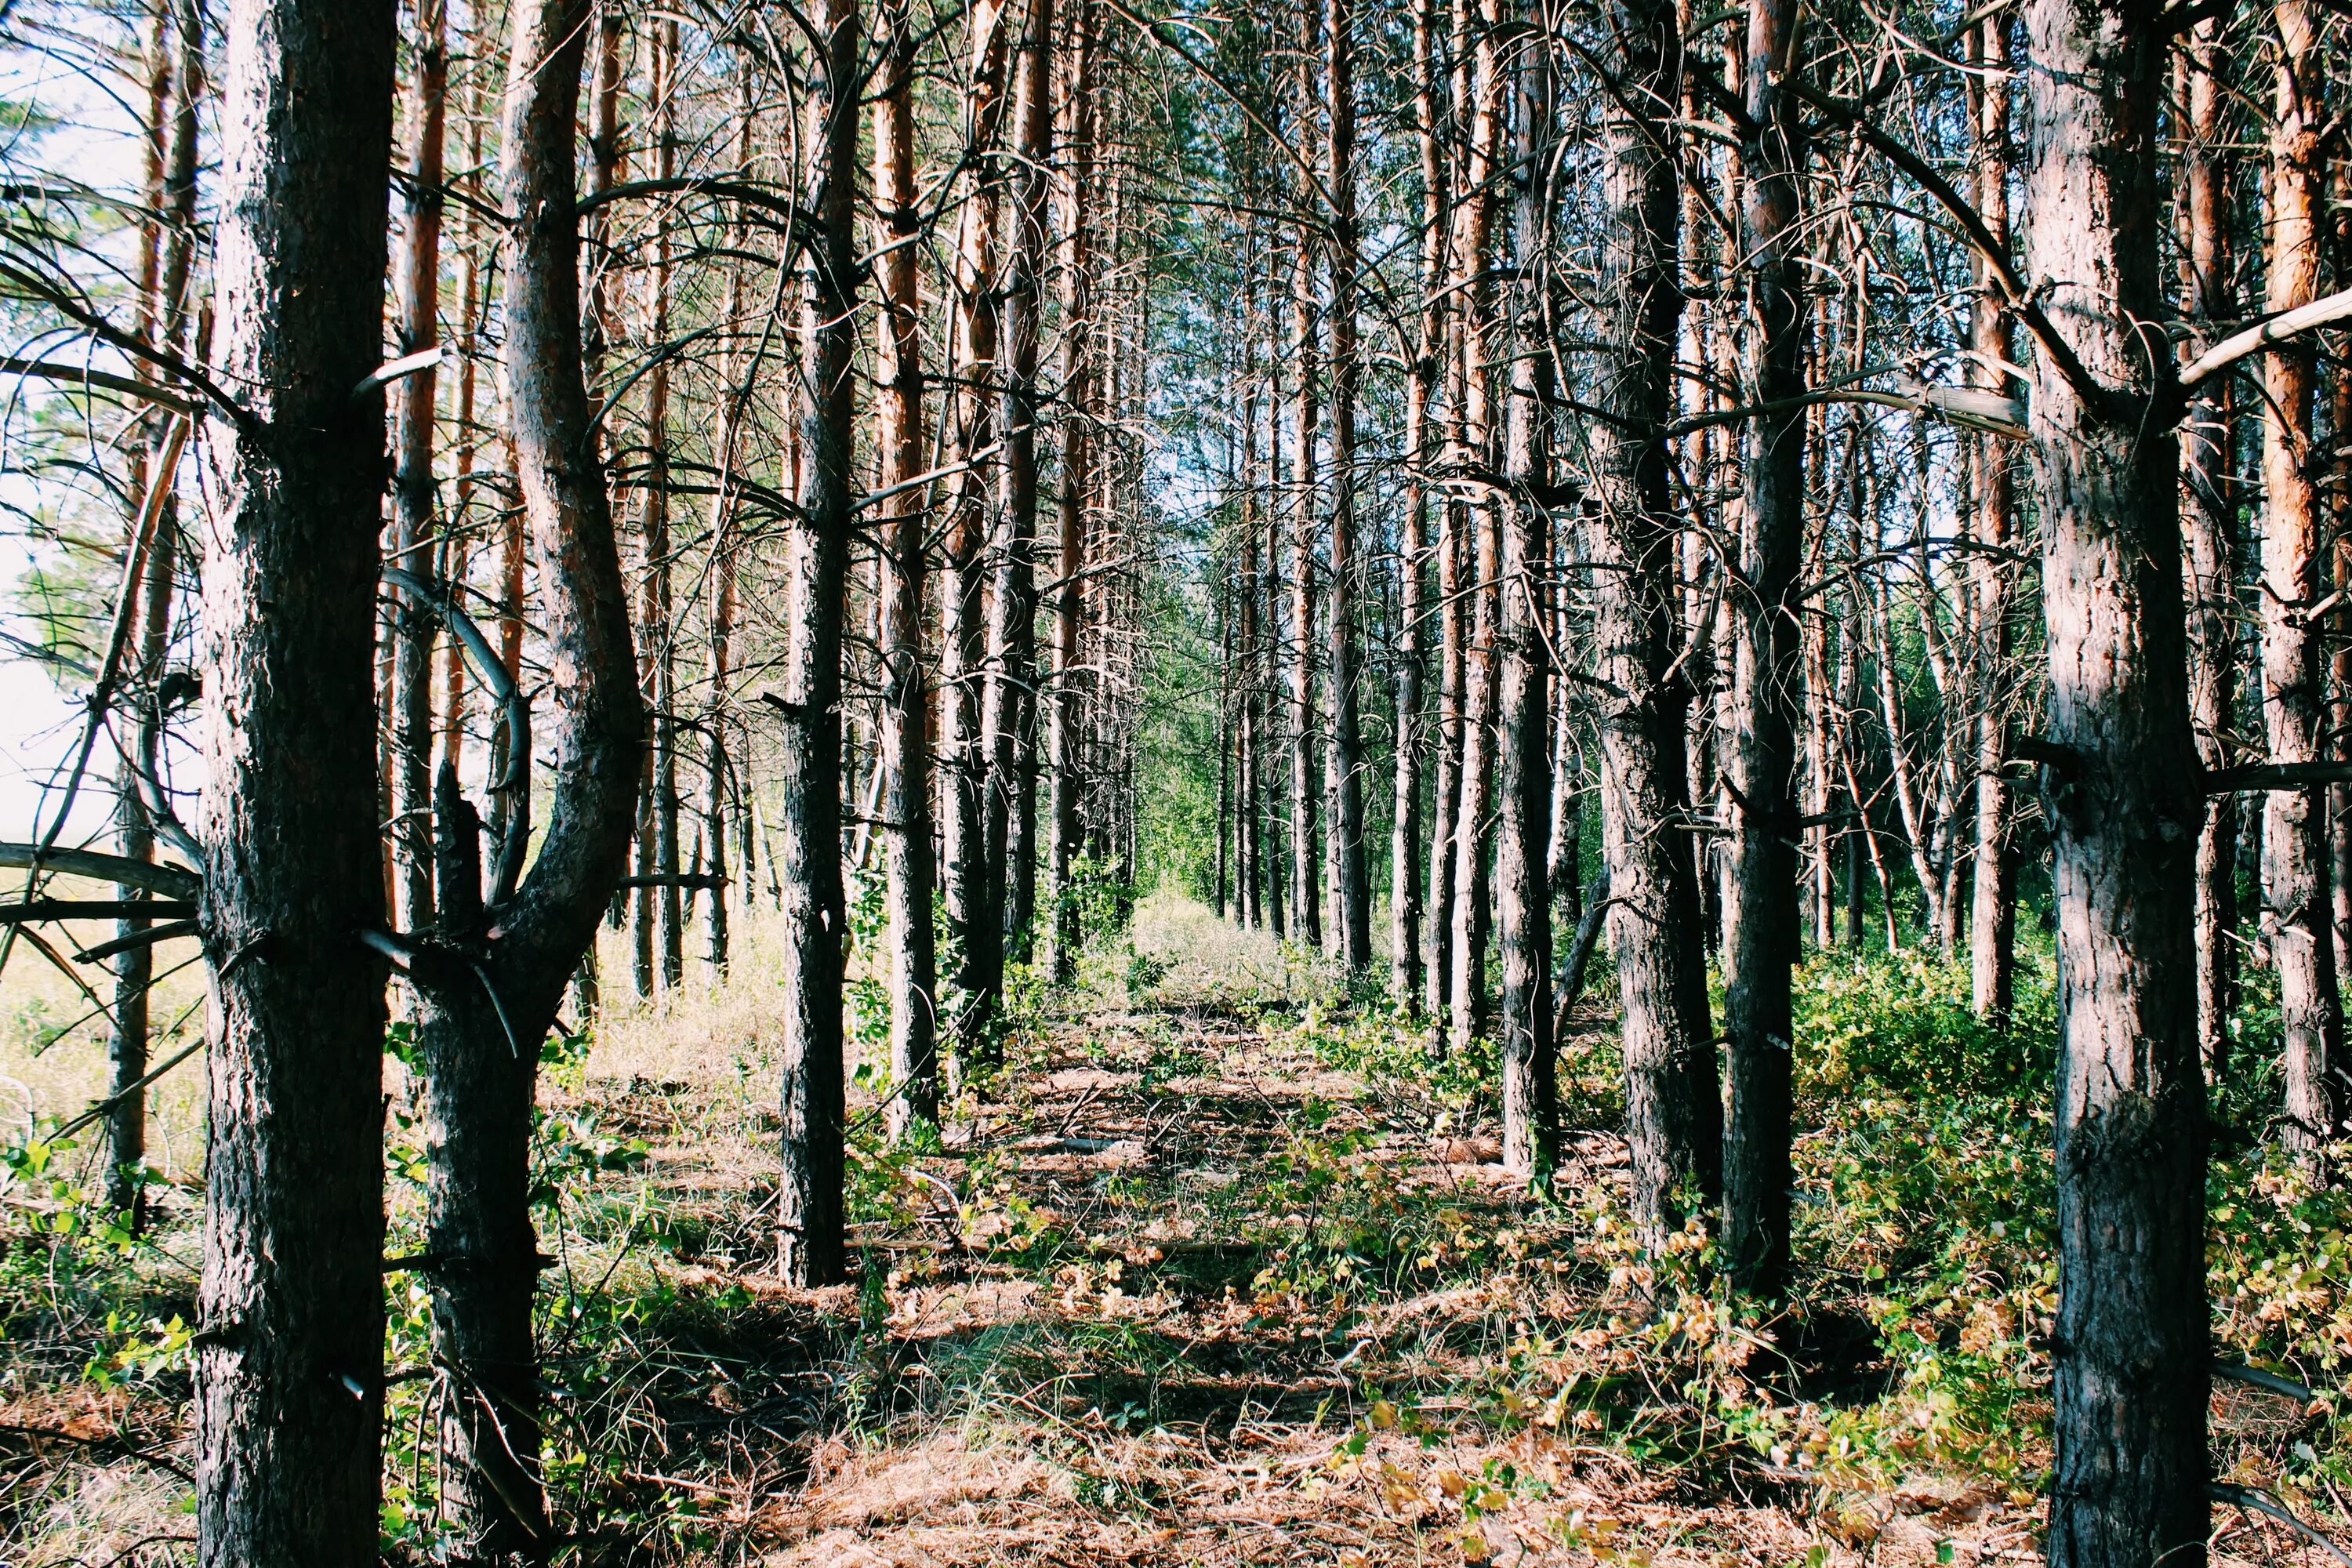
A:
{"x":1992,"y":914}
{"x":1306,"y":793}
{"x":2210,"y":524}
{"x":2129,"y":1385}
{"x":1077,"y":483}
{"x":416,"y":326}
{"x":1673,"y":1112}
{"x":900,"y":437}
{"x":2299,"y":913}
{"x":1522,"y":846}
{"x":971,"y":432}
{"x":1005,"y":736}
{"x":1351,"y":914}
{"x":1473,"y":784}
{"x":659,"y":637}
{"x":493,"y":973}
{"x":289,"y":1343}
{"x":167,"y":246}
{"x":1405,"y":886}
{"x":812,"y":1242}
{"x":1763,"y":929}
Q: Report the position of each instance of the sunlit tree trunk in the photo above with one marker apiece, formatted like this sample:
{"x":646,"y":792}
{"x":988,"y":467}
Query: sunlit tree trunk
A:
{"x":288,"y":1398}
{"x":1305,"y":789}
{"x":1405,"y":885}
{"x":1992,"y":914}
{"x":1673,"y":1114}
{"x":900,"y":439}
{"x":808,"y":699}
{"x":1524,"y":782}
{"x":2298,"y":911}
{"x":2129,"y":1381}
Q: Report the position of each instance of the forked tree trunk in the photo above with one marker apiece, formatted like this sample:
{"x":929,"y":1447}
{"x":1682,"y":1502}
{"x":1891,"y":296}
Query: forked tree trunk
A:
{"x":2131,"y":1346}
{"x":1673,"y":1112}
{"x":492,"y":976}
{"x":900,"y":437}
{"x":1525,"y":784}
{"x":289,"y":1328}
{"x":2299,"y":913}
{"x":811,"y":1242}
{"x":1762,"y":929}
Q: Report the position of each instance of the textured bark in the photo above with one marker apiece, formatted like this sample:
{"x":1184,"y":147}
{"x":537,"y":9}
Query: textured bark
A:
{"x":1405,"y":885}
{"x":1673,"y":1114}
{"x":289,"y":1338}
{"x":1992,"y":912}
{"x":1343,"y":787}
{"x":167,"y":245}
{"x":1472,"y":905}
{"x":1006,"y":710}
{"x":417,"y":327}
{"x":904,"y":738}
{"x":1762,"y":926}
{"x":2130,"y":1349}
{"x":1067,"y":719}
{"x":2298,"y":914}
{"x":971,"y":433}
{"x":492,"y":975}
{"x":808,"y":699}
{"x":1523,"y":828}
{"x":1305,"y":789}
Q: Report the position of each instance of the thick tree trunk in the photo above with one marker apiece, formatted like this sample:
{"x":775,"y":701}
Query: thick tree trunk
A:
{"x":1673,"y":1112}
{"x":808,"y":701}
{"x":2131,"y":1346}
{"x":2299,"y":913}
{"x":1992,"y":913}
{"x":486,"y":1001}
{"x":289,"y":1338}
{"x":1525,"y":784}
{"x":899,"y":438}
{"x":1763,"y":928}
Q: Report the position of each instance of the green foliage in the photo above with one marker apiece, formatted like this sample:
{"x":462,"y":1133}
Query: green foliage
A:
{"x":1901,"y":1022}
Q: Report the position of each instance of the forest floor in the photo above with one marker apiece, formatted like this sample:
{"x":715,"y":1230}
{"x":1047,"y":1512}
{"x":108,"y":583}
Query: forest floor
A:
{"x":1223,"y":1269}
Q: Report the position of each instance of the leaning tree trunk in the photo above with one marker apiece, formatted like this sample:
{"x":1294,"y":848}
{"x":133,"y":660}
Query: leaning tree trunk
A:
{"x":808,"y":699}
{"x":492,"y":974}
{"x":1524,"y":782}
{"x":904,"y":738}
{"x":2121,"y":786}
{"x":289,"y":1338}
{"x":1763,"y":925}
{"x":1672,"y":1112}
{"x":2299,"y":913}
